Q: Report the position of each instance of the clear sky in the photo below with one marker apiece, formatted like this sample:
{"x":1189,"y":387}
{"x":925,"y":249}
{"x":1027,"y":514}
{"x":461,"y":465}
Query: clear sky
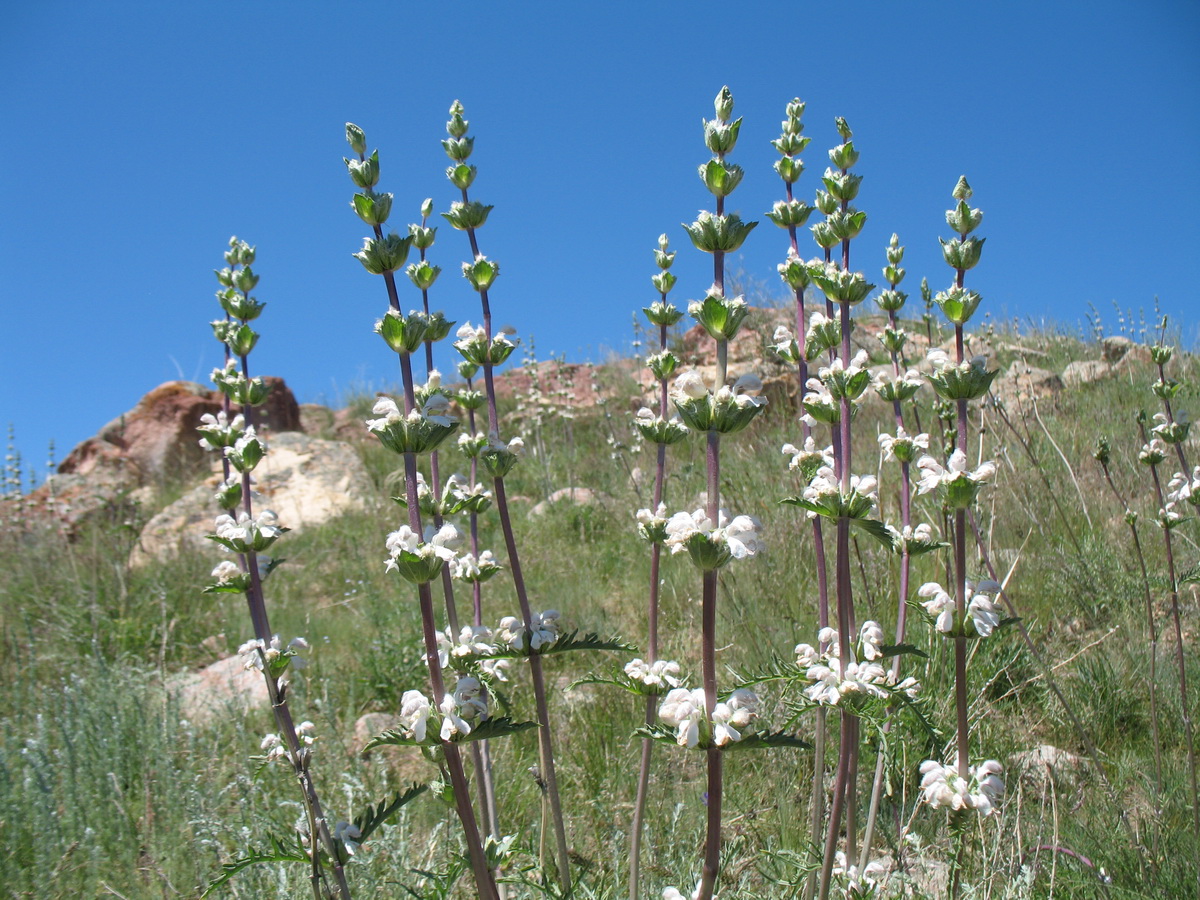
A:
{"x":139,"y":136}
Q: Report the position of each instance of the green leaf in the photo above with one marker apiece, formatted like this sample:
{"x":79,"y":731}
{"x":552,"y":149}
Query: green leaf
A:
{"x":890,"y":650}
{"x":756,"y":741}
{"x":280,"y":851}
{"x":374,"y":816}
{"x":565,"y":643}
{"x":393,"y":738}
{"x":494,"y":728}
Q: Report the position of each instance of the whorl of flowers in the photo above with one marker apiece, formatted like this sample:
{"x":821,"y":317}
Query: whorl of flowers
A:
{"x":1174,"y":430}
{"x":730,"y":409}
{"x":275,"y":747}
{"x":652,"y":524}
{"x":968,"y":380}
{"x":420,"y":560}
{"x":466,"y":705}
{"x":960,"y":484}
{"x":660,"y":673}
{"x":982,"y":613}
{"x":419,"y":431}
{"x":217,"y":431}
{"x":246,"y":533}
{"x":543,"y":630}
{"x":941,"y":785}
{"x":272,"y":656}
{"x":1152,"y":453}
{"x":902,"y":446}
{"x":472,"y":640}
{"x":468,"y":568}
{"x":683,"y":710}
{"x":472,"y":343}
{"x":657,"y":430}
{"x":809,"y":460}
{"x":897,"y":388}
{"x":834,"y":681}
{"x":711,"y":545}
{"x":1182,"y":489}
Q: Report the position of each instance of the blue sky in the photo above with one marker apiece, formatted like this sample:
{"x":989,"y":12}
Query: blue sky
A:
{"x":139,"y":137}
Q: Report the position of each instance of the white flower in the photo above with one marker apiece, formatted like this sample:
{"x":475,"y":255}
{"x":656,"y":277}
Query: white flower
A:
{"x":740,"y":534}
{"x":732,"y":717}
{"x":473,"y":640}
{"x":471,"y":698}
{"x":933,"y":475}
{"x":941,"y":785}
{"x":452,"y":722}
{"x":806,"y":655}
{"x":908,"y":444}
{"x":871,"y":637}
{"x":822,"y":457}
{"x":349,"y":834}
{"x":442,"y":543}
{"x":938,"y":604}
{"x":226,"y":571}
{"x":657,"y":674}
{"x":544,"y":630}
{"x":682,"y":709}
{"x":984,"y":614}
{"x":496,"y":668}
{"x":414,"y":714}
{"x":689,"y":386}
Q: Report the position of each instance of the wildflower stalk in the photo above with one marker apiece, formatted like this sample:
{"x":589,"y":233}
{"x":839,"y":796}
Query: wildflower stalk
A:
{"x":842,"y":223}
{"x":237,"y":280}
{"x":1174,"y":431}
{"x":1102,"y":456}
{"x":792,"y":214}
{"x":383,"y":256}
{"x":466,"y":216}
{"x":894,"y":338}
{"x":662,"y":315}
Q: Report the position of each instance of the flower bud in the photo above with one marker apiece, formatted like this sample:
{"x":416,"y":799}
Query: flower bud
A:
{"x":438,"y":326}
{"x":662,"y":313}
{"x":355,"y":138}
{"x":958,"y":305}
{"x":427,"y":208}
{"x":895,"y":252}
{"x":457,"y":126}
{"x":826,"y":202}
{"x":380,"y":255}
{"x":663,"y":282}
{"x":962,"y":254}
{"x":403,"y":334}
{"x":1161,"y":354}
{"x":962,"y":190}
{"x":240,"y":306}
{"x":843,"y":186}
{"x":843,"y":156}
{"x":459,"y":149}
{"x":723,"y":104}
{"x":481,"y":273}
{"x":372,"y":208}
{"x":794,"y":272}
{"x":468,"y":215}
{"x":467,"y":369}
{"x":963,"y":219}
{"x":712,"y":233}
{"x":843,"y":129}
{"x":461,"y":176}
{"x":422,"y":237}
{"x":790,"y":213}
{"x":422,"y":275}
{"x":1102,"y":452}
{"x":721,"y":178}
{"x":789,"y":169}
{"x":245,"y":280}
{"x":364,"y":173}
{"x":790,"y":145}
{"x":721,"y":137}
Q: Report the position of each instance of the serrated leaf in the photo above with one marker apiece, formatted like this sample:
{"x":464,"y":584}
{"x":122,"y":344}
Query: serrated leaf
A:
{"x":777,"y":670}
{"x":756,"y":741}
{"x":565,"y":643}
{"x":393,"y":738}
{"x":280,"y":852}
{"x":875,"y":529}
{"x":494,"y":728}
{"x":889,"y":650}
{"x":374,"y":816}
{"x":640,"y":688}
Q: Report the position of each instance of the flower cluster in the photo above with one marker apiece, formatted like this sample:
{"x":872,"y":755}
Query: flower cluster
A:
{"x":465,"y":705}
{"x":728,"y":410}
{"x":732,"y":718}
{"x":902,"y":446}
{"x":941,"y":785}
{"x":982,"y":613}
{"x":957,"y":482}
{"x":419,"y":558}
{"x":835,"y":682}
{"x":272,"y":657}
{"x":247,"y":534}
{"x":543,"y":630}
{"x":658,"y":674}
{"x":711,"y":545}
{"x":421,"y":430}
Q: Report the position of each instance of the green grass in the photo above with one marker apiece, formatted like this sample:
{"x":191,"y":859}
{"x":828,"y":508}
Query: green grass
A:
{"x":105,"y":791}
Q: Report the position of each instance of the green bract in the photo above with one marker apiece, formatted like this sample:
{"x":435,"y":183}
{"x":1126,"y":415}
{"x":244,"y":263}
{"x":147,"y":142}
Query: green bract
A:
{"x":962,"y":254}
{"x":663,"y":365}
{"x":794,"y":271}
{"x":891,"y":300}
{"x":663,"y":282}
{"x":789,"y":169}
{"x":240,"y":306}
{"x":823,"y":335}
{"x":364,"y":173}
{"x":382,"y":255}
{"x":720,"y":317}
{"x":423,"y":275}
{"x":725,"y":412}
{"x":467,"y":215}
{"x":658,"y":430}
{"x":968,"y":381}
{"x":355,"y":138}
{"x":660,"y":312}
{"x":498,"y":460}
{"x":789,"y":213}
{"x":414,"y":433}
{"x":845,"y":224}
{"x":422,"y":236}
{"x":371,"y":207}
{"x":404,"y":334}
{"x":842,"y":185}
{"x":721,"y":178}
{"x":958,"y":304}
{"x":712,"y":233}
{"x":839,"y":285}
{"x":481,"y":273}
{"x":461,"y":176}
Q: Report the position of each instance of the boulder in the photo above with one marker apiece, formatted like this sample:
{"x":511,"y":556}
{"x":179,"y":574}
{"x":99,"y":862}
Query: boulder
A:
{"x":1025,"y":382}
{"x":1047,"y":762}
{"x":1085,"y":371}
{"x":305,"y":480}
{"x":580,"y":496}
{"x":226,"y":686}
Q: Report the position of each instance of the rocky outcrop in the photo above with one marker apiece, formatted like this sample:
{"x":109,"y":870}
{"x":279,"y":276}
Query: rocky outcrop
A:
{"x":304,"y":480}
{"x":224,"y":687}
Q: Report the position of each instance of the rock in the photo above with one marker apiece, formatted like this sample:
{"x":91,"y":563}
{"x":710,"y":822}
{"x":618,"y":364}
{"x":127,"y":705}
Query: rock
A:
{"x":316,"y":419}
{"x":1115,"y":347}
{"x":1046,"y":761}
{"x":371,"y":724}
{"x":1085,"y":371}
{"x":223,"y":687}
{"x":305,"y":480}
{"x":1024,"y":382}
{"x":580,"y":496}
